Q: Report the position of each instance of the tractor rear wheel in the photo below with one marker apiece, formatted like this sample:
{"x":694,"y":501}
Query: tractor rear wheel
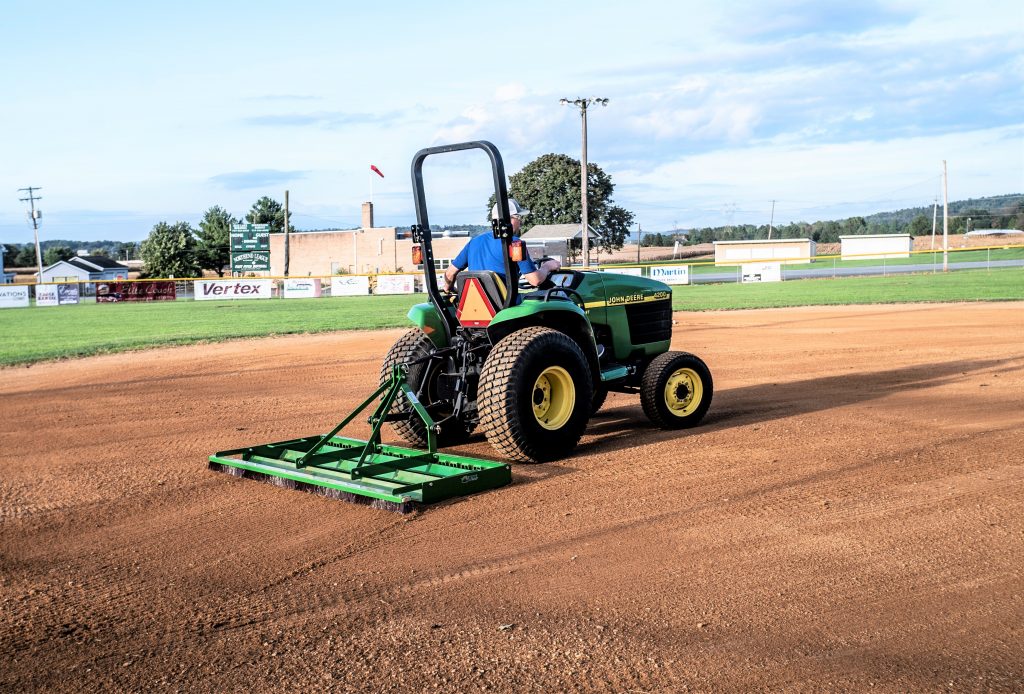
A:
{"x":535,"y":395}
{"x":410,"y":347}
{"x":676,"y":390}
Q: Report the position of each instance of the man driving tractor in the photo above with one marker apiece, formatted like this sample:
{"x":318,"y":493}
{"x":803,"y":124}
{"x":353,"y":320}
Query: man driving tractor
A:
{"x":484,"y":252}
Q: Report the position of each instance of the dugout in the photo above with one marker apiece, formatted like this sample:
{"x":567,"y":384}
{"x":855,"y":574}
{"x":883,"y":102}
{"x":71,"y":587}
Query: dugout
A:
{"x":786,"y":251}
{"x":873,"y":246}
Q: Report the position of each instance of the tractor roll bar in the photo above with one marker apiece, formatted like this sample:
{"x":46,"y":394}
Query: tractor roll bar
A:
{"x":502,"y":226}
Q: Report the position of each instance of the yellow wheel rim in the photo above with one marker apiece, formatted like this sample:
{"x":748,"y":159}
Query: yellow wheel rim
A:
{"x":683,"y":392}
{"x":554,"y":397}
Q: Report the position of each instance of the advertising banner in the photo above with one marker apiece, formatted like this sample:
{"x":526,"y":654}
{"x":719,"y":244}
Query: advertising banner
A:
{"x":631,"y":271}
{"x":13,"y":296}
{"x":67,"y":293}
{"x":761,"y":272}
{"x":350,"y":285}
{"x":395,"y":284}
{"x":304,"y":288}
{"x":46,"y":295}
{"x":671,"y":274}
{"x":207,"y":290}
{"x":110,"y":292}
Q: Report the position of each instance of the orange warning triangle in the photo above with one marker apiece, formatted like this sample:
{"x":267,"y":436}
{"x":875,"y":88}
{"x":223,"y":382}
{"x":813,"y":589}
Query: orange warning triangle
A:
{"x":475,"y":310}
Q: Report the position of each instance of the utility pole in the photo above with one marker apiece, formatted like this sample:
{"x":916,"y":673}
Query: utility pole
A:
{"x":36,"y":216}
{"x":286,"y":233}
{"x":638,"y":236}
{"x":935,"y":212}
{"x":771,"y":223}
{"x":945,"y":218}
{"x":583,"y":104}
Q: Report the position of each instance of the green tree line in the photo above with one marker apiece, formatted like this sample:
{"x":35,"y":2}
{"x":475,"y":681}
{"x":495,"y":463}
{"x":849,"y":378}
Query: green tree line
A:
{"x":179,"y":250}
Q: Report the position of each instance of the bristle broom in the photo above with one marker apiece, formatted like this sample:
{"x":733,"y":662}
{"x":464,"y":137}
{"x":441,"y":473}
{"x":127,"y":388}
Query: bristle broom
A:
{"x":404,"y":508}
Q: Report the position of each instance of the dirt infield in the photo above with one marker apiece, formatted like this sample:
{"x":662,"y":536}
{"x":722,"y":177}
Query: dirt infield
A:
{"x":851,"y":516}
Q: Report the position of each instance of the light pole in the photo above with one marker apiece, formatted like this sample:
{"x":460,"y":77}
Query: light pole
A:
{"x":582,"y":104}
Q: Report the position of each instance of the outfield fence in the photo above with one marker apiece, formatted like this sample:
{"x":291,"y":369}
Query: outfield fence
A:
{"x":671,"y":272}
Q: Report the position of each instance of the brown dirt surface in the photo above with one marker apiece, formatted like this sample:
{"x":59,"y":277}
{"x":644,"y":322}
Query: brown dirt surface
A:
{"x":850,"y":516}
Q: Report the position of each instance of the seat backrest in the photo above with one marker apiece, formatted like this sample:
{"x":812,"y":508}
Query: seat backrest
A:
{"x":493,"y":285}
{"x":471,"y":312}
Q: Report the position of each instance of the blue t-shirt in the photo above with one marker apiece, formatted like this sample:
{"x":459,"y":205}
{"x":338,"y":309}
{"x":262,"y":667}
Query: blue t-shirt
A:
{"x":484,"y":253}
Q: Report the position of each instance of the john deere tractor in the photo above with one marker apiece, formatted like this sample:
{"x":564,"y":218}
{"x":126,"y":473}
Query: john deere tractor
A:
{"x":529,"y":366}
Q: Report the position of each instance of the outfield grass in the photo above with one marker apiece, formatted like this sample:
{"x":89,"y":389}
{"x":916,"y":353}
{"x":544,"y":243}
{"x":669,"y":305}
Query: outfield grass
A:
{"x":1003,"y":284}
{"x":40,"y":333}
{"x":708,"y":267}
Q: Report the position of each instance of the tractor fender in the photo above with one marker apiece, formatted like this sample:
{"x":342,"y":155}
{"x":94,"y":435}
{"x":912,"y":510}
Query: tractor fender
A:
{"x":426,"y":318}
{"x":563,"y":316}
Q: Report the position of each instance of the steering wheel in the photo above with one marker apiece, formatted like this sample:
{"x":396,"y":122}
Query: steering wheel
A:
{"x":571,"y":294}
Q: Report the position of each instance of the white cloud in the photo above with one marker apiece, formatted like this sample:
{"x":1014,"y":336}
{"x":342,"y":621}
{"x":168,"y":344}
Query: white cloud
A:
{"x":510,"y":92}
{"x":814,"y":182}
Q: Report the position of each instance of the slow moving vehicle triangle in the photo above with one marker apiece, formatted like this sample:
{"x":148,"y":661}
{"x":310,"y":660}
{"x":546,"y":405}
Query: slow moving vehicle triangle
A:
{"x":475,"y":309}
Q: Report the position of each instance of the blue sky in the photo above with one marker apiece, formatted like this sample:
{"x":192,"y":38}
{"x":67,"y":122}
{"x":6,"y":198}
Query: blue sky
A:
{"x":128,"y":114}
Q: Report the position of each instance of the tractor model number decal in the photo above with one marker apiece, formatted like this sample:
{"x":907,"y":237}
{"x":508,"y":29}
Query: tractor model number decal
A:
{"x":469,"y":478}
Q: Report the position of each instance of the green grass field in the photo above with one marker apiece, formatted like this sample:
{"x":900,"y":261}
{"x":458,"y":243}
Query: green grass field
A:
{"x":38,"y":333}
{"x":708,"y":267}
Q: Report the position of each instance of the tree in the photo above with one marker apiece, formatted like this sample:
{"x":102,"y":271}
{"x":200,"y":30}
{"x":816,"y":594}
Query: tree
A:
{"x":26,"y":256}
{"x":55,"y":254}
{"x":170,"y":251}
{"x":214,"y":235}
{"x":268,"y":211}
{"x":920,"y":226}
{"x":11,"y":251}
{"x":549,"y":187}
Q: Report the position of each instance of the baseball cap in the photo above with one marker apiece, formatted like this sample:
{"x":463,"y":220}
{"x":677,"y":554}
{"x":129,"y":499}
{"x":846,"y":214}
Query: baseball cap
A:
{"x":514,"y":208}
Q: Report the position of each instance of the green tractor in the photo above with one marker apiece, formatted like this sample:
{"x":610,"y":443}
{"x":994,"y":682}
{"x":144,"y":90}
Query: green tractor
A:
{"x":529,"y":368}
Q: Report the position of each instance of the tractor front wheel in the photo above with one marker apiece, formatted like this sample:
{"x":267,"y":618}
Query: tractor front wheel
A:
{"x":427,"y":379}
{"x":676,"y":390}
{"x":535,"y":395}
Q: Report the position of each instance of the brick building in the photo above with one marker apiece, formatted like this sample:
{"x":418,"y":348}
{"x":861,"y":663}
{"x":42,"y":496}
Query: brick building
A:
{"x":366,"y":250}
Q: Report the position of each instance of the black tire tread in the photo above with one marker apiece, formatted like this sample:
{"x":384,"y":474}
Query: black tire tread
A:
{"x":411,"y":346}
{"x":498,"y":403}
{"x":651,"y":394}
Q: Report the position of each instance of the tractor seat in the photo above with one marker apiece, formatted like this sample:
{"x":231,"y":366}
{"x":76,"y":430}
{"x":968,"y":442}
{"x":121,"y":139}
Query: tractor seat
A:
{"x":490,"y":282}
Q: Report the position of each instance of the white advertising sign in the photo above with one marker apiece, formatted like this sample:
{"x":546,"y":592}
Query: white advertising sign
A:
{"x":761,"y":272}
{"x":233,"y":289}
{"x":396,"y":284}
{"x":304,"y":288}
{"x":12,"y":296}
{"x":671,"y":274}
{"x":350,"y":285}
{"x":67,"y":293}
{"x":46,"y":295}
{"x":631,"y":271}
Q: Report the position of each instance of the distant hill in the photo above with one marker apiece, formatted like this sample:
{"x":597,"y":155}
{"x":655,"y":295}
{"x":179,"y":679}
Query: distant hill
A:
{"x":998,"y":205}
{"x":995,"y":212}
